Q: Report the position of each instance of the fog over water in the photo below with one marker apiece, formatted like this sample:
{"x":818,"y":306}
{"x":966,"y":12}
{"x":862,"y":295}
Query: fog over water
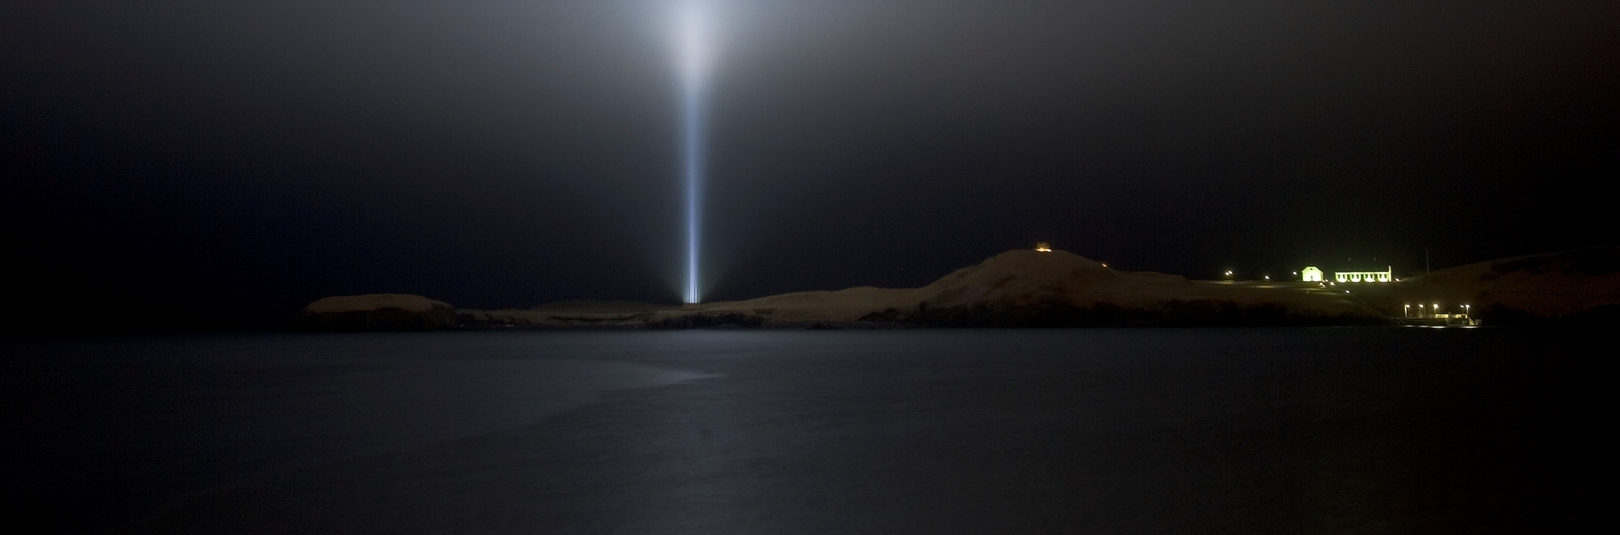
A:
{"x":1188,"y":431}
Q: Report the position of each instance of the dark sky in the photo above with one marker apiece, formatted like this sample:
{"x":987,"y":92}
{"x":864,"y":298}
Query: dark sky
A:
{"x":187,"y":157}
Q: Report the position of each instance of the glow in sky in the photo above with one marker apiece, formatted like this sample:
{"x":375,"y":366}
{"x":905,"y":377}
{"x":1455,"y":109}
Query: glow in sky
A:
{"x":695,"y":57}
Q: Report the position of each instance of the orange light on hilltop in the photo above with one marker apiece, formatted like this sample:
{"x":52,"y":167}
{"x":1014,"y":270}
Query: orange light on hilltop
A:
{"x":1043,"y":247}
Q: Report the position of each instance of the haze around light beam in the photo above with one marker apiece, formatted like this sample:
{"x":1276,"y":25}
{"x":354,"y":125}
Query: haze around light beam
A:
{"x":696,"y":56}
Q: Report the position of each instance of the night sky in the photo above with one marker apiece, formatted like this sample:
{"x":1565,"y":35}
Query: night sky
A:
{"x":221,"y":164}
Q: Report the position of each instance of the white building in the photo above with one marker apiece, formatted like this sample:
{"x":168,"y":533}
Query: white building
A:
{"x":1364,"y":276}
{"x":1311,"y":274}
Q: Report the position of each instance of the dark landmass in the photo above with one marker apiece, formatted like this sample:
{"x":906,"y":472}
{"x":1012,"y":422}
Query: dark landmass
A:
{"x":1026,"y":288}
{"x":1570,"y":287}
{"x":377,"y":312}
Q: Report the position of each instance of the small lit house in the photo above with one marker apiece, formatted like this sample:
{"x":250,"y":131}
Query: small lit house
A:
{"x":1311,"y":274}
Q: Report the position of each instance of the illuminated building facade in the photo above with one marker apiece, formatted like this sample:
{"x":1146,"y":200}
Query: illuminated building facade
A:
{"x":1363,"y":276}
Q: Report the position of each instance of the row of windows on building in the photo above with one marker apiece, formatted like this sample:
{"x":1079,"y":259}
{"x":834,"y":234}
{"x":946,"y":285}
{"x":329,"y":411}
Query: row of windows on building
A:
{"x":1314,"y":274}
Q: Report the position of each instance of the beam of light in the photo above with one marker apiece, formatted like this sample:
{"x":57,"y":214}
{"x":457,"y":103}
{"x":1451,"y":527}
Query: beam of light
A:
{"x":694,"y":66}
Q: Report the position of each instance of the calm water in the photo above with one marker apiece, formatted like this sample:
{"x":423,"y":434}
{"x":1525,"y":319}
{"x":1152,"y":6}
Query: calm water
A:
{"x":1362,"y":430}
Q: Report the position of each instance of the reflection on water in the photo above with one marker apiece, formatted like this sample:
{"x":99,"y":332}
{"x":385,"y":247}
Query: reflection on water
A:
{"x":1243,"y":430}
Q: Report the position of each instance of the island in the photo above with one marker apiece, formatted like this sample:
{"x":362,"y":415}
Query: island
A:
{"x":1053,"y":288}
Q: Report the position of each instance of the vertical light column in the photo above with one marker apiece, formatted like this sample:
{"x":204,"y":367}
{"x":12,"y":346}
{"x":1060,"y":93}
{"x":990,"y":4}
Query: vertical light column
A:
{"x":694,"y":58}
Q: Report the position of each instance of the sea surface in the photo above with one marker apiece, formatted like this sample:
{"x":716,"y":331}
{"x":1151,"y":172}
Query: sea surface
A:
{"x":1331,"y":430}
